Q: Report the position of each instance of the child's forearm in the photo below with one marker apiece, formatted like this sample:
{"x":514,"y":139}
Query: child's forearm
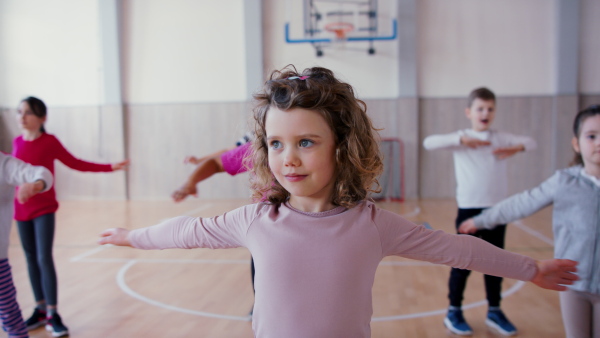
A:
{"x":173,"y":233}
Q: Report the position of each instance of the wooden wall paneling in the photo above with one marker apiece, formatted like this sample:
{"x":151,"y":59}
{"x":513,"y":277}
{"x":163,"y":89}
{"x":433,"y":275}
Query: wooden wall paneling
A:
{"x":588,"y":100}
{"x":8,"y":129}
{"x":398,"y":118}
{"x":566,"y":107}
{"x":160,"y":136}
{"x":528,"y":116}
{"x":439,"y":116}
{"x":93,"y":135}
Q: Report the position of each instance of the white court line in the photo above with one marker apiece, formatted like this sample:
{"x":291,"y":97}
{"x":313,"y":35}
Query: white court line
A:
{"x":505,"y":294}
{"x":533,"y":233}
{"x":130,"y":262}
{"x":415,"y":212}
{"x":123,"y":285}
{"x":90,"y":252}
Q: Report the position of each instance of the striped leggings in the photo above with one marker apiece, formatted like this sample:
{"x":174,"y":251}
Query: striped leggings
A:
{"x":12,"y":321}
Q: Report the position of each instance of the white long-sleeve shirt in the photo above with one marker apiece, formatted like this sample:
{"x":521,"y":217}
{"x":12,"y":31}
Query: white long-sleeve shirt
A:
{"x":14,"y":172}
{"x":481,"y":178}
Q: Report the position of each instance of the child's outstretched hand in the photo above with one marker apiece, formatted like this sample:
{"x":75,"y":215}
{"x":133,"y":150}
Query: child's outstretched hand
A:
{"x":120,"y":165}
{"x":506,"y":152}
{"x":115,"y":236}
{"x":183,"y":192}
{"x":472,"y":142}
{"x":27,"y":190}
{"x":467,"y":227}
{"x":194,"y":159}
{"x":554,"y":274}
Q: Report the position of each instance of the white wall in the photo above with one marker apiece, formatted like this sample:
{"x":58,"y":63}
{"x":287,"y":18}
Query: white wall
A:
{"x":508,"y":45}
{"x":184,"y":51}
{"x":373,"y":76}
{"x":49,"y":49}
{"x":589,"y":67}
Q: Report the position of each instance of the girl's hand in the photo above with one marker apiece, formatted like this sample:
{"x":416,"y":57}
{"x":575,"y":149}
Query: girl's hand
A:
{"x":183,"y":192}
{"x":506,"y":152}
{"x":553,"y":274}
{"x":467,"y":227}
{"x":115,"y":236}
{"x":27,"y":190}
{"x":120,"y":165}
{"x":472,"y":142}
{"x":192,"y":159}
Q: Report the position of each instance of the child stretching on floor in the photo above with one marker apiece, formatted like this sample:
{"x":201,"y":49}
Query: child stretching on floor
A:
{"x":32,"y":180}
{"x":317,"y":240}
{"x":227,"y":160}
{"x":575,"y":194}
{"x":35,"y":218}
{"x":481,"y":179}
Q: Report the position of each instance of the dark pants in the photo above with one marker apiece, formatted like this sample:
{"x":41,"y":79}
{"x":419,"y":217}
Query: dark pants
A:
{"x":37,"y":237}
{"x":458,"y":277}
{"x":252,"y":272}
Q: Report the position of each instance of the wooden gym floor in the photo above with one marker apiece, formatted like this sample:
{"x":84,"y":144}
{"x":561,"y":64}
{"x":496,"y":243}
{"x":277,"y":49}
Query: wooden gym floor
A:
{"x":122,"y":292}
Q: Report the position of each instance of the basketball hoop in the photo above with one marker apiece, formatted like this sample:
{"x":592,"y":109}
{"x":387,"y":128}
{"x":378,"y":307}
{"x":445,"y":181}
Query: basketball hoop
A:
{"x":340,"y":29}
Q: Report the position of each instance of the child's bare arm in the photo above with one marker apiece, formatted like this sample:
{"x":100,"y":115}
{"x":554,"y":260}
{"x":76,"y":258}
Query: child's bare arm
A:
{"x":554,"y":274}
{"x":120,"y":165}
{"x":115,"y":236}
{"x":467,"y":227}
{"x":506,"y":152}
{"x":27,"y":190}
{"x":472,"y":142}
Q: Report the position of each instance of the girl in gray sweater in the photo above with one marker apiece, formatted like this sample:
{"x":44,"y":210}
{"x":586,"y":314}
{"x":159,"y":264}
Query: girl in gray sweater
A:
{"x":575,"y":194}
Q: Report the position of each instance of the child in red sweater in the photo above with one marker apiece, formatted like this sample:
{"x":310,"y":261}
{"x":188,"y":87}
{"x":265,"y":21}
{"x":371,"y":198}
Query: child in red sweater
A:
{"x":35,"y":218}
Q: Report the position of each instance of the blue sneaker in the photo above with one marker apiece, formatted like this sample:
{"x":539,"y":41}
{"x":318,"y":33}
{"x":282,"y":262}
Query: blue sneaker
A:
{"x":497,"y":320}
{"x":456,"y":323}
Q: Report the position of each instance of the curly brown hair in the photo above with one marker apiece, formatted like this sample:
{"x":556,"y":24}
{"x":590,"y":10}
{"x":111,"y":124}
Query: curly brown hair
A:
{"x":358,"y":159}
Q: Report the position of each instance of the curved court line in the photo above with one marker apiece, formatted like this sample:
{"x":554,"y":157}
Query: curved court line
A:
{"x":123,"y":285}
{"x":415,"y":212}
{"x":130,"y":262}
{"x":513,"y":289}
{"x":533,"y":233}
{"x":90,"y":252}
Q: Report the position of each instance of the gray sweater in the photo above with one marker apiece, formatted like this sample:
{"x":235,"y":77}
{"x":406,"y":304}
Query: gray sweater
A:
{"x":575,"y":220}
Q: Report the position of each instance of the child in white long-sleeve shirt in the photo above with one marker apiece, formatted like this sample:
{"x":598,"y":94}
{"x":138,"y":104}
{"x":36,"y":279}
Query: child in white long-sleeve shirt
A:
{"x":480,"y":167}
{"x":575,"y":195}
{"x":32,"y":180}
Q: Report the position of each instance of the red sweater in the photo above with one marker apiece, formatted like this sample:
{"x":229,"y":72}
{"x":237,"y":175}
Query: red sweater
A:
{"x":43,"y":151}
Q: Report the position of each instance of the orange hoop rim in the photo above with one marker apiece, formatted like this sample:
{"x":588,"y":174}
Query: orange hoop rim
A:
{"x":339,"y":28}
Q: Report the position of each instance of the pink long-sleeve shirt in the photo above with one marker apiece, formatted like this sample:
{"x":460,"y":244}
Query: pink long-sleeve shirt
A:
{"x":43,"y":151}
{"x":315,"y":271}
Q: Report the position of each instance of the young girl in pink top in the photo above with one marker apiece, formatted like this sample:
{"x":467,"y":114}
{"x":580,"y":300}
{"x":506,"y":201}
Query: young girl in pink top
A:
{"x":35,"y":218}
{"x":317,"y":240}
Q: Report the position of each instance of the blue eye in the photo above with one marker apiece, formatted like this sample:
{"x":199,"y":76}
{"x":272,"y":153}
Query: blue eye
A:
{"x":306,"y":143}
{"x":275,"y":144}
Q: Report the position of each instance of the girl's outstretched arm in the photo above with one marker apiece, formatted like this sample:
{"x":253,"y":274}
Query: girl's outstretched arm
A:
{"x":554,"y":274}
{"x":120,"y":165}
{"x":115,"y":236}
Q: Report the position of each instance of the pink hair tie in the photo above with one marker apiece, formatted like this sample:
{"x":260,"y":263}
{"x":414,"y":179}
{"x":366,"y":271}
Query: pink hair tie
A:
{"x":298,"y":77}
